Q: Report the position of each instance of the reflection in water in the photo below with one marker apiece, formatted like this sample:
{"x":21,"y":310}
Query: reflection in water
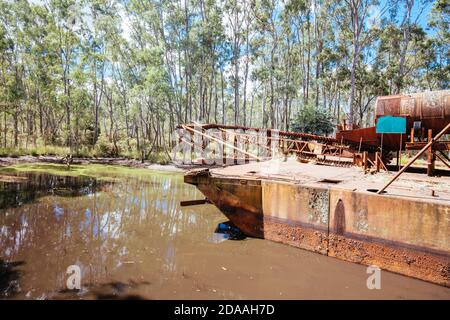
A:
{"x":26,"y":187}
{"x":9,"y":278}
{"x":100,"y":230}
{"x":131,"y":239}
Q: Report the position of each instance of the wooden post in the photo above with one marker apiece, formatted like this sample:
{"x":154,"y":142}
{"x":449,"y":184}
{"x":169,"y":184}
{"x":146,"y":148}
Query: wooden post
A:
{"x":224,"y":152}
{"x":269,"y":142}
{"x":365,"y":156}
{"x":381,"y":163}
{"x":431,"y":158}
{"x":377,"y":161}
{"x":247,"y":146}
{"x":360,"y":143}
{"x":412,"y":135}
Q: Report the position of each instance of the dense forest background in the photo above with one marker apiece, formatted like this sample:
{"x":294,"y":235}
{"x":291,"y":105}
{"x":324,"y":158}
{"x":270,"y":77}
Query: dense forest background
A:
{"x":115,"y":77}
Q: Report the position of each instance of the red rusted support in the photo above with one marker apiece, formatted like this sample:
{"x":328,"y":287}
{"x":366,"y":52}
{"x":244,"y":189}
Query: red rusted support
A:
{"x":365,"y":159}
{"x":433,"y":140}
{"x":280,"y":132}
{"x":377,"y":161}
{"x":431,"y":158}
{"x":442,"y":160}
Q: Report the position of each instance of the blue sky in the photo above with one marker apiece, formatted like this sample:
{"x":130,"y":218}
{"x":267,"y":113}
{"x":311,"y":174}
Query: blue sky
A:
{"x":417,"y":8}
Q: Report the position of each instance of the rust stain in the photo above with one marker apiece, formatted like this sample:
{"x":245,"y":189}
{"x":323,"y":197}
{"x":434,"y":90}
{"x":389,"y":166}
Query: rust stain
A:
{"x":411,"y":262}
{"x":296,"y":234}
{"x":400,"y":235}
{"x":339,"y":220}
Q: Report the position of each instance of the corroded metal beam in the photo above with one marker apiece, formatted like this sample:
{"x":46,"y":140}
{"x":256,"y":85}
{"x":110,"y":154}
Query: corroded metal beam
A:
{"x":425,"y":148}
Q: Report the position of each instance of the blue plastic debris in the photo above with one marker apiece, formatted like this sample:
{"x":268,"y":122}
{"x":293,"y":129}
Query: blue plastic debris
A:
{"x":228,"y":228}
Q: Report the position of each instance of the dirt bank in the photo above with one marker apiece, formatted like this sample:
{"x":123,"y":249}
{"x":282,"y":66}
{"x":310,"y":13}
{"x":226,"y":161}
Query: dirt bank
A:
{"x":7,"y":161}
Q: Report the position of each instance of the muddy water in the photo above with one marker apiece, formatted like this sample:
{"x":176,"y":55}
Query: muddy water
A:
{"x":131,"y":239}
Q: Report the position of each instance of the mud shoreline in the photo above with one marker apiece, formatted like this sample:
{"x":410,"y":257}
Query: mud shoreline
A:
{"x":132,"y":163}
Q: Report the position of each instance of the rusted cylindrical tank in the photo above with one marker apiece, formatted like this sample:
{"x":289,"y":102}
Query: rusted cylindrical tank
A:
{"x":431,"y":110}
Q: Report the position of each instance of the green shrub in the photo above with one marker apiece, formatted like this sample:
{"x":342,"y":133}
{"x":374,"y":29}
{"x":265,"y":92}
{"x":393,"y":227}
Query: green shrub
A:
{"x":50,"y":150}
{"x":105,"y":148}
{"x":130,"y":154}
{"x":12,"y":152}
{"x":34,"y":151}
{"x":158,"y":157}
{"x":313,"y":120}
{"x":85,"y":152}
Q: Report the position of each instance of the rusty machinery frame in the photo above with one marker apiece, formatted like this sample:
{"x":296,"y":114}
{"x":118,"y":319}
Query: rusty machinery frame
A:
{"x":307,"y":147}
{"x":431,"y":154}
{"x":310,"y":147}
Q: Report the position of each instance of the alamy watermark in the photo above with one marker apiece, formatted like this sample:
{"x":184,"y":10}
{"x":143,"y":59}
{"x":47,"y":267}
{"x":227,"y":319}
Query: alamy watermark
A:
{"x":222,"y":146}
{"x":374,"y":280}
{"x":74,"y":280}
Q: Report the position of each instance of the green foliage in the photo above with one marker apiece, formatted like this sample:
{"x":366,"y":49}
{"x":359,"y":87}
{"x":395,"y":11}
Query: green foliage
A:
{"x":159,"y":158}
{"x":34,"y":151}
{"x":312,"y":120}
{"x":106,"y":172}
{"x":105,"y":148}
{"x":104,"y":78}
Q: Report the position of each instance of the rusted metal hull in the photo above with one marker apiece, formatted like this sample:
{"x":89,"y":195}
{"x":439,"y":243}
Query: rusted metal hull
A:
{"x":240,"y":200}
{"x":418,"y":263}
{"x":369,"y":137}
{"x":402,"y":235}
{"x":431,"y":108}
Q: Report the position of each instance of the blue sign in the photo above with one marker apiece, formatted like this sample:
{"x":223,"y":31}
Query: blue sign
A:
{"x":390,"y":124}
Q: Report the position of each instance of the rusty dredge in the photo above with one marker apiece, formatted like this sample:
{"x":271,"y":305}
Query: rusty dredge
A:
{"x":324,"y":199}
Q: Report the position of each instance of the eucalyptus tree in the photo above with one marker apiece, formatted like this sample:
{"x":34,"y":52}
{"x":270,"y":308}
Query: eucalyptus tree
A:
{"x":119,"y":75}
{"x":352,"y":17}
{"x":437,"y":70}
